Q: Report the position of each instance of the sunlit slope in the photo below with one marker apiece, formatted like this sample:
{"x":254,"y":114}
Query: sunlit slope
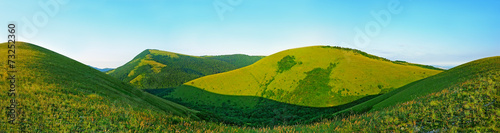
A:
{"x":317,"y":76}
{"x":153,"y":69}
{"x":447,"y":79}
{"x":57,"y":93}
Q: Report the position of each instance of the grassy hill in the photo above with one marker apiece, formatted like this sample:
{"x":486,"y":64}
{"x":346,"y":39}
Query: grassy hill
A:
{"x":436,"y":83}
{"x":295,"y":86}
{"x":56,"y":93}
{"x":153,"y":69}
{"x":318,"y":76}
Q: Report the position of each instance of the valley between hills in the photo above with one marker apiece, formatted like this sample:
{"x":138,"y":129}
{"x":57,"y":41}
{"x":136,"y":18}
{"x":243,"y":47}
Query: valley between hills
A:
{"x":308,"y":89}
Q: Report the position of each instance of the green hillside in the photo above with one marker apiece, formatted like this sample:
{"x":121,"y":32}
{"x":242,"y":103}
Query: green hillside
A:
{"x":432,"y":84}
{"x":318,"y":76}
{"x":56,"y":93}
{"x":153,"y":69}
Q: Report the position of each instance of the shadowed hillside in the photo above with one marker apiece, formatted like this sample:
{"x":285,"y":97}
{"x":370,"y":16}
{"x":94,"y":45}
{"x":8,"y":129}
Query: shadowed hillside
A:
{"x":248,"y":110}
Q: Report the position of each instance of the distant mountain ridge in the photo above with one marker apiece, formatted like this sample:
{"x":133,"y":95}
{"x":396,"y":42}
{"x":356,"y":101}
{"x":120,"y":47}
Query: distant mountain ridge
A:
{"x":161,"y":69}
{"x":238,"y":60}
{"x":102,"y":69}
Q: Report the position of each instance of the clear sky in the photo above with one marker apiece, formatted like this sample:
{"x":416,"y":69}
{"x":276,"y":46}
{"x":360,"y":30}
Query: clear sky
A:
{"x":109,"y":33}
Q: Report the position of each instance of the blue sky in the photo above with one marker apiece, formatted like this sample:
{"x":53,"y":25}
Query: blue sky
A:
{"x":109,"y":33}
